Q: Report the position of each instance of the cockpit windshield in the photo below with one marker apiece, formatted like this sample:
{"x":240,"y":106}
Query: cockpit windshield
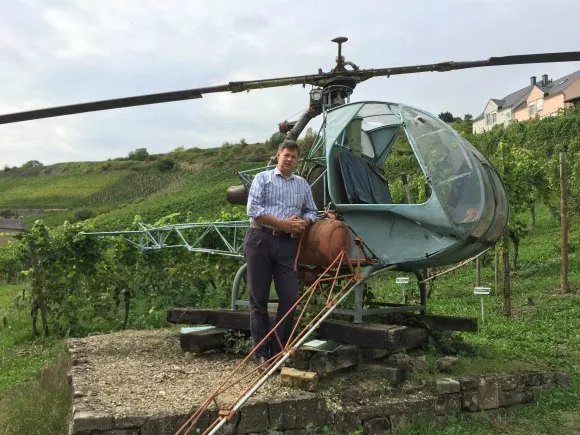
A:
{"x":452,"y":172}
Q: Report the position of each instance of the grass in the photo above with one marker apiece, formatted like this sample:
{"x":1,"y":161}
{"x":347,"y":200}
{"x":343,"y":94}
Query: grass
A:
{"x":543,"y":334}
{"x":34,"y":392}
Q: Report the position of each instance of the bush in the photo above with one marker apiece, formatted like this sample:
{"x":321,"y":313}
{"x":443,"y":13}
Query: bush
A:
{"x":165,"y":165}
{"x":83,"y":215}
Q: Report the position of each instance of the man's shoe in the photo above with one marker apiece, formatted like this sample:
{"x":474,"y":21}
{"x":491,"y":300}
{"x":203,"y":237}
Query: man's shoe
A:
{"x":262,"y":363}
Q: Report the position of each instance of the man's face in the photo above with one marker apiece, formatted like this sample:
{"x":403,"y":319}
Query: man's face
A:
{"x":287,"y":160}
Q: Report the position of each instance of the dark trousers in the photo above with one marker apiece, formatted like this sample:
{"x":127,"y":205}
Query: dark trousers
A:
{"x":268,"y":257}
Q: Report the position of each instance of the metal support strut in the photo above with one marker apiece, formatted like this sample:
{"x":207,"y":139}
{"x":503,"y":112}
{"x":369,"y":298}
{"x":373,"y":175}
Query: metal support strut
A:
{"x":332,"y":287}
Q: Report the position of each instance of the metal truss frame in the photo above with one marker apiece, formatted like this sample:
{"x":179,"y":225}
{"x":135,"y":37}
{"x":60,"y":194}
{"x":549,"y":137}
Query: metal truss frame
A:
{"x":219,"y":238}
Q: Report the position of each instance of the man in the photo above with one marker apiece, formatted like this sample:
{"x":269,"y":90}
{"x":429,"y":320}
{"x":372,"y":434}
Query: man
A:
{"x":280,"y":207}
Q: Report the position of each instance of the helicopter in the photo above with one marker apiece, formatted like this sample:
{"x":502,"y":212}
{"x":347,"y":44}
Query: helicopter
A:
{"x":466,"y":210}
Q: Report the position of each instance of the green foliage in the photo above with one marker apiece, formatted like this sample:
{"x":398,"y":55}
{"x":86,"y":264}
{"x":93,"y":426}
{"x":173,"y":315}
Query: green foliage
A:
{"x":237,"y":343}
{"x":32,"y":164}
{"x":164,"y":165}
{"x":82,"y":215}
{"x":140,"y":154}
{"x":448,"y":117}
{"x":52,"y":192}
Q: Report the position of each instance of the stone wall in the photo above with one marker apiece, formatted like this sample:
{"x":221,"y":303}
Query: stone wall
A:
{"x":432,"y":401}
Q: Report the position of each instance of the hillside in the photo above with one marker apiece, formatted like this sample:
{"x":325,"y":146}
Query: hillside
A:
{"x":114,"y":191}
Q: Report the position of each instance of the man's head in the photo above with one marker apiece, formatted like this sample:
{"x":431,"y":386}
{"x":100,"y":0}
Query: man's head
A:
{"x":287,"y":156}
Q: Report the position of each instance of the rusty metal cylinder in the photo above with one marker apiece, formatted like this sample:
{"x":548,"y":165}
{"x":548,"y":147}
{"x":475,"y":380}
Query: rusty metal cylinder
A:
{"x":323,"y":242}
{"x":237,"y":195}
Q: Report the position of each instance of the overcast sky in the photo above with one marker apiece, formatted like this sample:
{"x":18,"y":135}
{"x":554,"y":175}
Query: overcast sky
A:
{"x":55,"y":52}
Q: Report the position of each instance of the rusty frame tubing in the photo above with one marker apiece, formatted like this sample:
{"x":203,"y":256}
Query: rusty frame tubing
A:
{"x":273,"y":368}
{"x":280,"y":357}
{"x":274,"y":359}
{"x":221,"y":388}
{"x":463,"y":263}
{"x":342,"y":255}
{"x":283,"y":355}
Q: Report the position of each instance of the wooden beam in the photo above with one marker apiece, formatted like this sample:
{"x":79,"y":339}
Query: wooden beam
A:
{"x":202,"y":341}
{"x":371,"y":335}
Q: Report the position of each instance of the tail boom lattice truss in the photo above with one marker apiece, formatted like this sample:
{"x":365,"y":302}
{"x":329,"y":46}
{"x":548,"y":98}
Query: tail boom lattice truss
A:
{"x":223,"y":237}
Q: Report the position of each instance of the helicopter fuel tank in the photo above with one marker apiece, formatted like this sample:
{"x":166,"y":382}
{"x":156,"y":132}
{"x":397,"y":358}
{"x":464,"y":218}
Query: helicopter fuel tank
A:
{"x":323,"y":242}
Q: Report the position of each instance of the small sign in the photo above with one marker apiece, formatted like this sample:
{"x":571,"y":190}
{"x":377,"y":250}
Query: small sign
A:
{"x":321,"y":346}
{"x":481,"y":291}
{"x":188,"y":329}
{"x":315,"y":343}
{"x":402,"y":280}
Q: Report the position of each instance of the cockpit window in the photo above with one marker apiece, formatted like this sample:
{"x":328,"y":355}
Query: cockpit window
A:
{"x":453,"y":175}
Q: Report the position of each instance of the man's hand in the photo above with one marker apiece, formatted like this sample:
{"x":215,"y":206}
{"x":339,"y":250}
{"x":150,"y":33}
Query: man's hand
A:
{"x":330,"y":215}
{"x":297,"y":224}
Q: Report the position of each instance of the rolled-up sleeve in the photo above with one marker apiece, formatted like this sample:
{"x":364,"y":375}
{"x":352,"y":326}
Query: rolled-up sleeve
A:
{"x":255,"y":206}
{"x":309,"y":210}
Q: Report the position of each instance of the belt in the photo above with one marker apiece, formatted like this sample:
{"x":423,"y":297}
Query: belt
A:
{"x":273,"y":231}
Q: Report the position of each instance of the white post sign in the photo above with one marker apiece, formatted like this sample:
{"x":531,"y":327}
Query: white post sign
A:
{"x":403,"y":281}
{"x":482,"y":291}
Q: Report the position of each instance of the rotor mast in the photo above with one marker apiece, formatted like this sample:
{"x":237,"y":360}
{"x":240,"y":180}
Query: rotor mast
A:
{"x":331,"y":93}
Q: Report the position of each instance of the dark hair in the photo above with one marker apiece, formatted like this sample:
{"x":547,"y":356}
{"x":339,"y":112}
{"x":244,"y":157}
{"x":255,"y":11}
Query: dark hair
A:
{"x":290,"y":145}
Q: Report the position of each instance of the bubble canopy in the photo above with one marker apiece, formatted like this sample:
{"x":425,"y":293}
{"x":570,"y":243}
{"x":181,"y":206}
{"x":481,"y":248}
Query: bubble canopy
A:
{"x":466,"y":212}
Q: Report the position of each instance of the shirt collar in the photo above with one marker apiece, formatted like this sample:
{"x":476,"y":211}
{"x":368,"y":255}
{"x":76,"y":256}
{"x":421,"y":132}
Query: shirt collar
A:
{"x":277,"y":172}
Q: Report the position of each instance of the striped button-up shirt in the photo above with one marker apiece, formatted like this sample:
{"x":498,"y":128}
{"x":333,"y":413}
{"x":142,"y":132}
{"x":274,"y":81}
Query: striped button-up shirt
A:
{"x":273,"y":194}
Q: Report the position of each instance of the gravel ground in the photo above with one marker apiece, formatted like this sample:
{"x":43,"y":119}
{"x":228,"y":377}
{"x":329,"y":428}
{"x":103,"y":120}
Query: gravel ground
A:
{"x":145,"y":373}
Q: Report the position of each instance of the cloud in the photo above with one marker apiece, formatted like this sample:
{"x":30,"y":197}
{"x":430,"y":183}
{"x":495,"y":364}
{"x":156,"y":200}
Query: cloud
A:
{"x":55,"y":52}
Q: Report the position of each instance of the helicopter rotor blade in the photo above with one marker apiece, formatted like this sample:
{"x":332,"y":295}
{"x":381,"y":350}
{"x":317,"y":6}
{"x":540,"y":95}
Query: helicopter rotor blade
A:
{"x":141,"y":100}
{"x":521,"y":59}
{"x":314,"y":79}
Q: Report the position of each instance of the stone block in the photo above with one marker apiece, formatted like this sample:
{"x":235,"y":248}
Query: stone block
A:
{"x":533,"y":378}
{"x":560,"y":378}
{"x":510,"y":381}
{"x":516,"y":396}
{"x":163,"y":424}
{"x":253,"y":418}
{"x":447,"y":404}
{"x":297,"y":413}
{"x":468,"y":383}
{"x":346,"y":422}
{"x":89,"y":421}
{"x":303,"y":380}
{"x":301,"y":359}
{"x":372,"y":354}
{"x":419,"y":405}
{"x":119,"y":432}
{"x":128,"y":421}
{"x":377,"y":426}
{"x":488,"y":393}
{"x":470,"y":401}
{"x":446,"y":364}
{"x":400,"y":422}
{"x":401,"y":359}
{"x":297,"y":432}
{"x":447,"y":386}
{"x":394,"y":374}
{"x":419,"y":364}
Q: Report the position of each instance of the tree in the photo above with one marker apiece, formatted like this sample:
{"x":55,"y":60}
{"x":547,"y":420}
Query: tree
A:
{"x":139,"y":154}
{"x":468,"y":117}
{"x":32,"y":164}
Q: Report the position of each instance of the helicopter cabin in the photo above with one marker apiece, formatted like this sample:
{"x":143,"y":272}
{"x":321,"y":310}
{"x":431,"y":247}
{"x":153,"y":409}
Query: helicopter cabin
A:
{"x":464,"y":213}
